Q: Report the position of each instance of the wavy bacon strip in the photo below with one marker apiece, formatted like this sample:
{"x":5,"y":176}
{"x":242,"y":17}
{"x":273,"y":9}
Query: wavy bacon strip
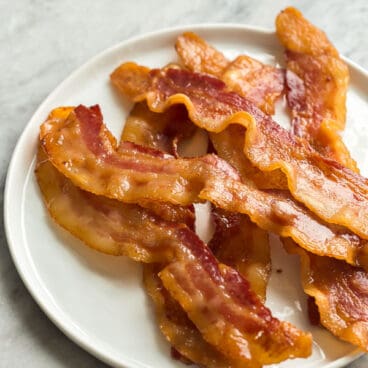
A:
{"x":178,"y":329}
{"x":338,"y":289}
{"x":162,"y":132}
{"x":317,"y":81}
{"x":260,"y":83}
{"x":102,"y":223}
{"x":83,"y":150}
{"x":333,"y":192}
{"x":340,"y":292}
{"x":221,"y":297}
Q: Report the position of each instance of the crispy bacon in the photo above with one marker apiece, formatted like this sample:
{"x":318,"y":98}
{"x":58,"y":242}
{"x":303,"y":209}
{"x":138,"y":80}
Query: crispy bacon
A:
{"x":260,"y":83}
{"x":162,"y":132}
{"x":229,"y":146}
{"x":334,"y":193}
{"x":197,"y":55}
{"x":334,"y":286}
{"x":178,"y":329}
{"x":225,"y":311}
{"x":241,"y":244}
{"x":340,"y":292}
{"x":104,"y":224}
{"x":83,"y":149}
{"x":317,"y":81}
{"x":139,"y":174}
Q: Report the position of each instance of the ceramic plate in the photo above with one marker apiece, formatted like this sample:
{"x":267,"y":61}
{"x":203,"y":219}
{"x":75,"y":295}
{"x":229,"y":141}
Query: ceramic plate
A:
{"x":97,"y":300}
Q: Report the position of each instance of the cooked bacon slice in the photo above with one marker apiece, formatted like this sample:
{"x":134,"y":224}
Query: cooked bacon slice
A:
{"x":241,"y":244}
{"x":297,"y":34}
{"x":334,"y":193}
{"x":82,"y":149}
{"x":340,"y":292}
{"x":178,"y":329}
{"x":197,"y":55}
{"x":260,"y":83}
{"x":103,"y":224}
{"x":317,"y":81}
{"x":229,"y":146}
{"x":162,"y":132}
{"x":337,"y":288}
{"x":226,"y":312}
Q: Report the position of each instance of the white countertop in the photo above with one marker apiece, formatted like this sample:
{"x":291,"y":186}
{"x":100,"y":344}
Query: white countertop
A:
{"x":41,"y":43}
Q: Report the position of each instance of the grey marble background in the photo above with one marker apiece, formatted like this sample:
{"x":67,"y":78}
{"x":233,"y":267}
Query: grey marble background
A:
{"x":41,"y":42}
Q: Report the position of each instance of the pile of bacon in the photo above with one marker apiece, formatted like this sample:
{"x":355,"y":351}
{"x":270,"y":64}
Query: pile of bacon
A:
{"x":135,"y":198}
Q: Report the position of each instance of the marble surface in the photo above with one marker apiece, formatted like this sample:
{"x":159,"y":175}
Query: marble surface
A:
{"x":41,"y":43}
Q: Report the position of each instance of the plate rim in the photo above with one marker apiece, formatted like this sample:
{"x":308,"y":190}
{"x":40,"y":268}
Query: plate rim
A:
{"x":51,"y":311}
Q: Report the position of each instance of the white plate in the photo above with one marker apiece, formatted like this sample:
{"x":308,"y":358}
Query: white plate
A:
{"x":97,"y":300}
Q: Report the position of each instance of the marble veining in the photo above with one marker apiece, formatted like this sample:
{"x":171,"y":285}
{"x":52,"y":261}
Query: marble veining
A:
{"x":41,"y":43}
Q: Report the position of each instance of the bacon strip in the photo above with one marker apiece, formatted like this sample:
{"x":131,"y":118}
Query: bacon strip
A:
{"x":317,"y":81}
{"x":162,"y":132}
{"x":140,"y":174}
{"x":179,"y":329}
{"x":337,"y":288}
{"x":242,"y":245}
{"x":220,"y":318}
{"x":262,"y":84}
{"x":340,"y":292}
{"x":101,"y":223}
{"x":197,"y":55}
{"x":333,"y":192}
